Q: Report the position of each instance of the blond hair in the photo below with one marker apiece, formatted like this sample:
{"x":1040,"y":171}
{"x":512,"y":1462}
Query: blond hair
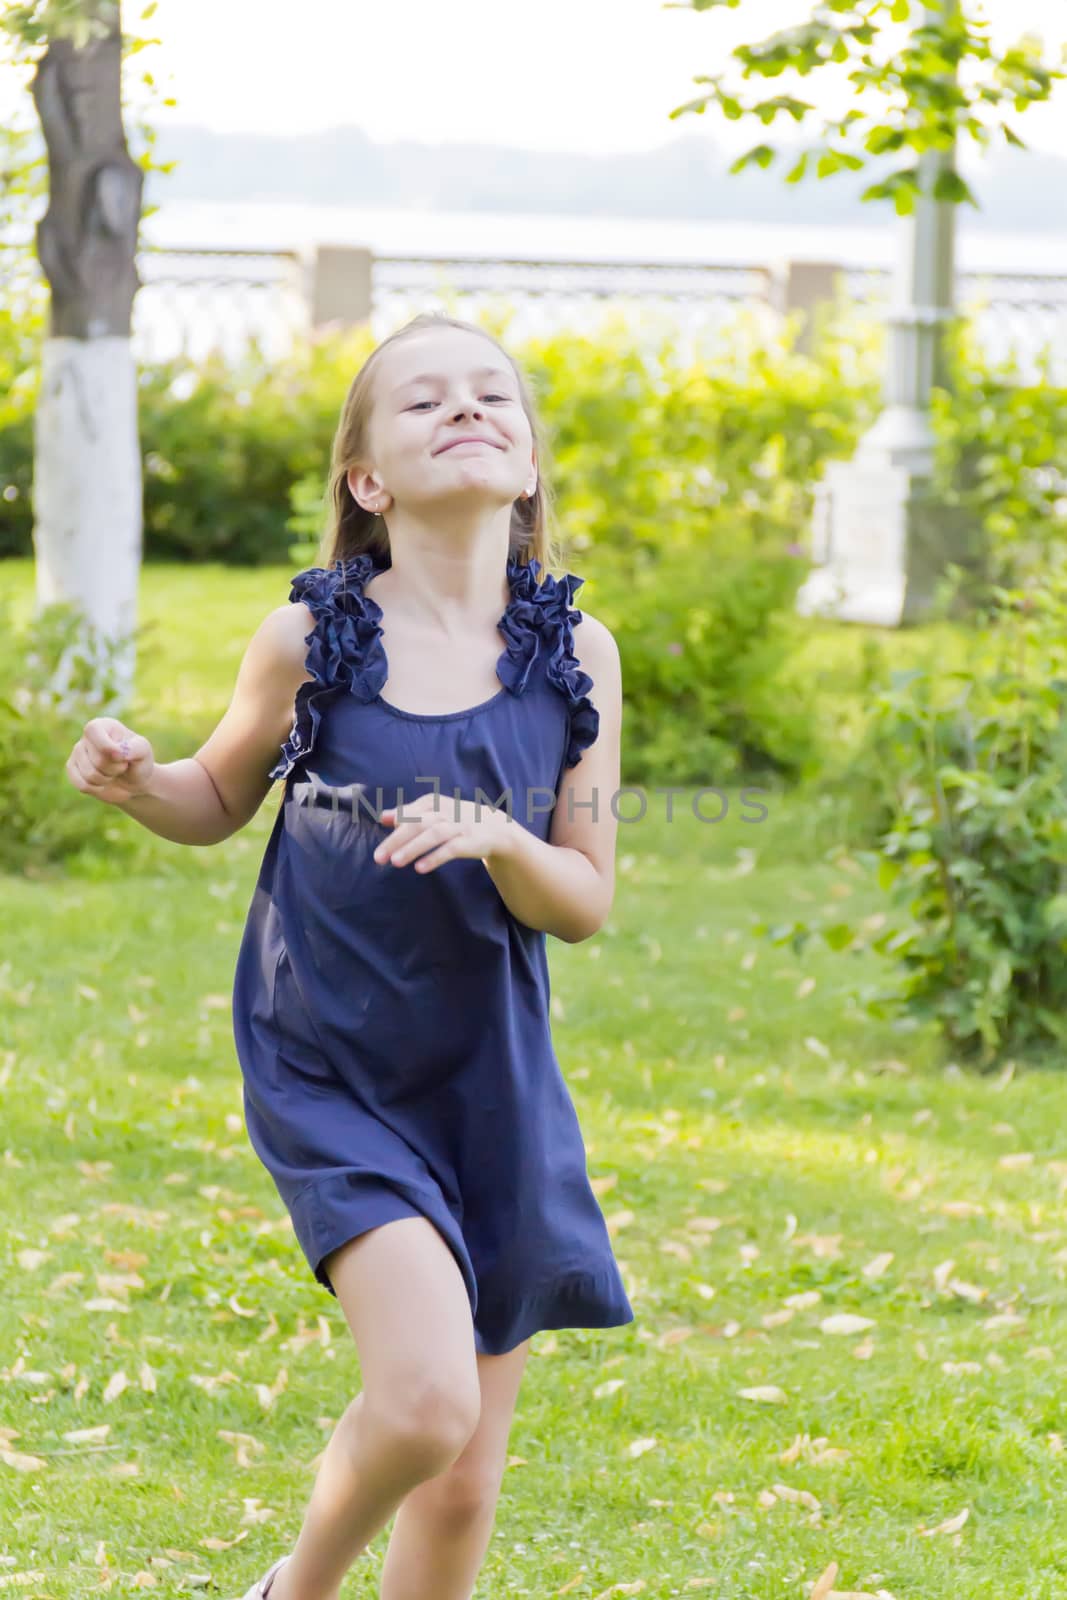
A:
{"x":352,"y":530}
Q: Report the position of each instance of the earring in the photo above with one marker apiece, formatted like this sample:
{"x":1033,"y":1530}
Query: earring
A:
{"x":525,"y":495}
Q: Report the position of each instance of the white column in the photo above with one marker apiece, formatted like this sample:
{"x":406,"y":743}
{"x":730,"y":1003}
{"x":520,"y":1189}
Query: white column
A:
{"x":878,"y":541}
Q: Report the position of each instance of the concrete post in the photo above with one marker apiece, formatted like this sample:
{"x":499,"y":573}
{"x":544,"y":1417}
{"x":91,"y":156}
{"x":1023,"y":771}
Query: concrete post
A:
{"x":341,"y":289}
{"x":804,"y":286}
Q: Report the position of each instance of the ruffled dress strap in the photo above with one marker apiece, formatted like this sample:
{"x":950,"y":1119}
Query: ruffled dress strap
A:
{"x":539,"y":622}
{"x":345,"y":653}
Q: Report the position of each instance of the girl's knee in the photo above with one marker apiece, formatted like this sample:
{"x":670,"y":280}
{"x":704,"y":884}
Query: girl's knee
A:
{"x":430,"y":1419}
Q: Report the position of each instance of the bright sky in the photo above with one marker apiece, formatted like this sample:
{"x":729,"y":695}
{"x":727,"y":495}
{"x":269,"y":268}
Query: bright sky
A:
{"x":581,"y":75}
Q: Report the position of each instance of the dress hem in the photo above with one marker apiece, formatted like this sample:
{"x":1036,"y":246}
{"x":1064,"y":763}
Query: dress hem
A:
{"x":581,"y":1297}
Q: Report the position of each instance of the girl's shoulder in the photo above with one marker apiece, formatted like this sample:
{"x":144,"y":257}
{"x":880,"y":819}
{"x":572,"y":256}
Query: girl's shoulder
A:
{"x":595,"y":639}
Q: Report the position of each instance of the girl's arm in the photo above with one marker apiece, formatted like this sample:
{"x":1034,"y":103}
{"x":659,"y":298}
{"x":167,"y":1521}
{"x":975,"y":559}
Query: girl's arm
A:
{"x":204,"y":798}
{"x":566,"y":886}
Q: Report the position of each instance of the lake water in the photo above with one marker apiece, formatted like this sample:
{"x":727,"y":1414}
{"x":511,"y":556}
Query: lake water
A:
{"x":282,"y":226}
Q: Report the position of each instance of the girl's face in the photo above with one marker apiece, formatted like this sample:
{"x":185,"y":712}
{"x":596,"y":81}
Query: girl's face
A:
{"x":447,"y":427}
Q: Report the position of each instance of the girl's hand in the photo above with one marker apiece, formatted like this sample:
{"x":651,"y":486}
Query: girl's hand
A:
{"x":439,"y":828}
{"x":110,"y":761}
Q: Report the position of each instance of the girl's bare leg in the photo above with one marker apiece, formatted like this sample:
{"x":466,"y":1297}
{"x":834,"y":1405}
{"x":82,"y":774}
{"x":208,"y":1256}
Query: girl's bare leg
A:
{"x":406,"y":1304}
{"x":443,"y":1526}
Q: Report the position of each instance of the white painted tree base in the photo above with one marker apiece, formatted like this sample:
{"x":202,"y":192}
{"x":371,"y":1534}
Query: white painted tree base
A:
{"x":87,"y":486}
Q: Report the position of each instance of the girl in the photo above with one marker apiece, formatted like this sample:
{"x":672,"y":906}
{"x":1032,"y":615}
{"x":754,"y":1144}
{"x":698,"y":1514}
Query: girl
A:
{"x":391,"y":1002}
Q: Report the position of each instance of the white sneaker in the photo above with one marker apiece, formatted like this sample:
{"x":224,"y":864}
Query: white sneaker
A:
{"x":260,"y":1590}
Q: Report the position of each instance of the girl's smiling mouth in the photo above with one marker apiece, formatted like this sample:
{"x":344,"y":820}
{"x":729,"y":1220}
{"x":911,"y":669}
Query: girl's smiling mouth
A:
{"x":455,"y":443}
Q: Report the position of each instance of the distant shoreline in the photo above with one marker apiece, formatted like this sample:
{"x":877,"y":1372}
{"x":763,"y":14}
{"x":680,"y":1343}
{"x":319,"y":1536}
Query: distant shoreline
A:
{"x":288,"y":225}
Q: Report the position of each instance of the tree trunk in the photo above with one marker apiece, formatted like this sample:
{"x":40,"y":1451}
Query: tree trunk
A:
{"x":87,"y":465}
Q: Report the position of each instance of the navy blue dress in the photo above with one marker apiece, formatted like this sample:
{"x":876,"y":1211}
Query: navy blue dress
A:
{"x":392,"y":1027}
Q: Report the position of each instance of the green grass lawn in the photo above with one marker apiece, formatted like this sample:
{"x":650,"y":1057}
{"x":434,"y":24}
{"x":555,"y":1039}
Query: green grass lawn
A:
{"x":767,"y":1157}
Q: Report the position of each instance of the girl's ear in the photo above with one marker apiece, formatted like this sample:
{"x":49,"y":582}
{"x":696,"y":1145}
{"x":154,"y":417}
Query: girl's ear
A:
{"x":364,"y":491}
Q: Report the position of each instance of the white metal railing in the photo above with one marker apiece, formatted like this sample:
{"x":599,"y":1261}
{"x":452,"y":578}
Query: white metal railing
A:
{"x":193,"y":301}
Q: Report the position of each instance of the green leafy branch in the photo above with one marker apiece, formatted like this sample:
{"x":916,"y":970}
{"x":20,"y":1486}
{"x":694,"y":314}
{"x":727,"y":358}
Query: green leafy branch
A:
{"x":33,"y":24}
{"x":914,"y":94}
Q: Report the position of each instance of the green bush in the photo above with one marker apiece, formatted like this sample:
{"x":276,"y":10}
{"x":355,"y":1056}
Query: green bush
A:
{"x":974,"y":856}
{"x":56,"y":674}
{"x":223,"y":446}
{"x":1001,"y":459}
{"x":706,"y":637}
{"x":22,"y":314}
{"x":307,"y":520}
{"x":646,"y":448}
{"x":652,"y":451}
